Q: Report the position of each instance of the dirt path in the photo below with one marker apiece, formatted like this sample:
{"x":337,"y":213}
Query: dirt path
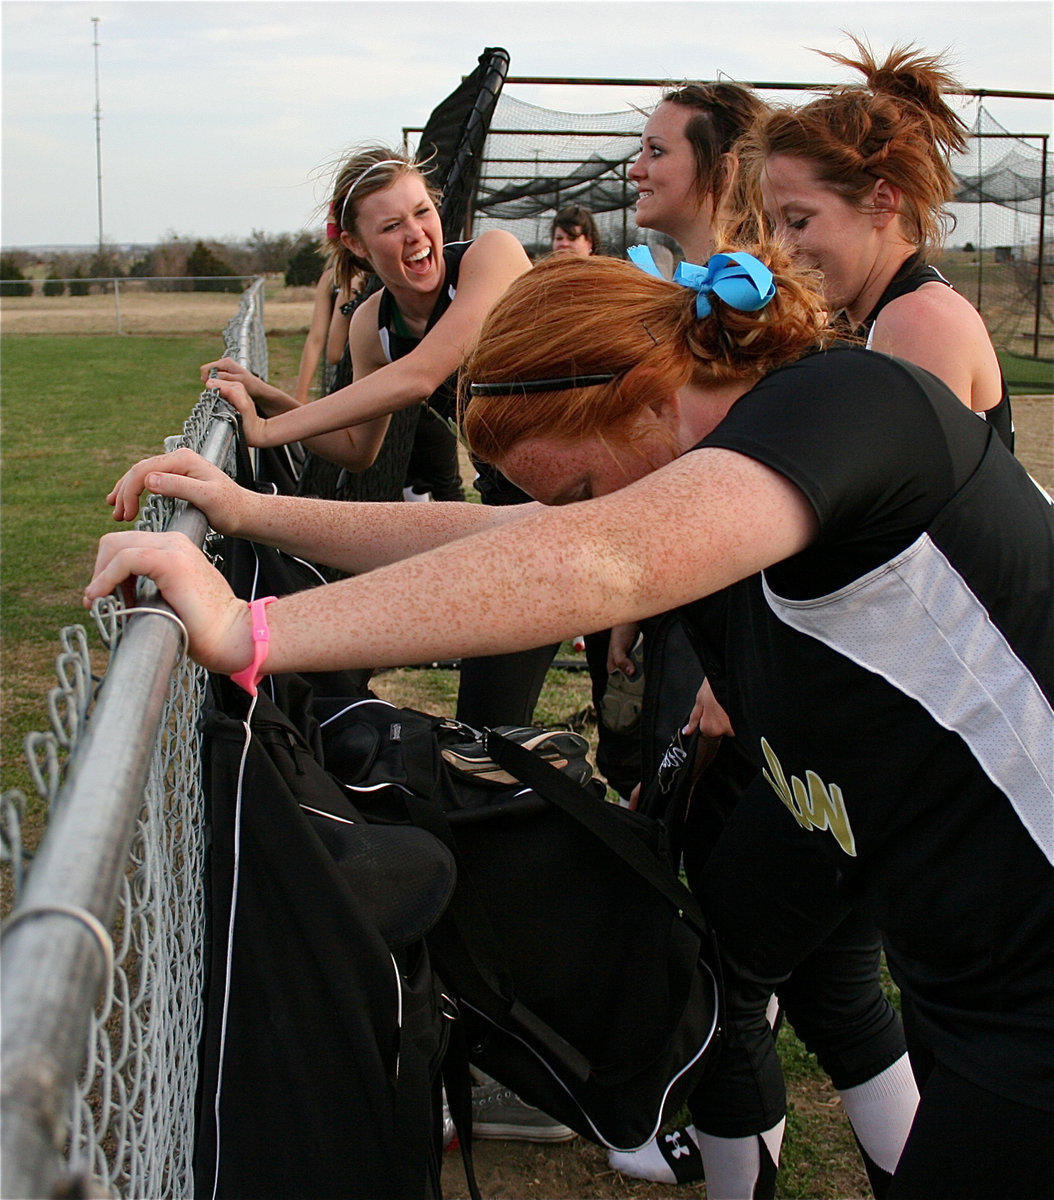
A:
{"x":1034,"y":421}
{"x":287,"y":310}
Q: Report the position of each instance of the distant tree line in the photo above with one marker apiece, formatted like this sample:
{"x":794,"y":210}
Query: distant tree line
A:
{"x":176,"y":264}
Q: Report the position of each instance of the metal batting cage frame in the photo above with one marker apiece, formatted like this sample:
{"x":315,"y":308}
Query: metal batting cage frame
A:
{"x":536,"y":160}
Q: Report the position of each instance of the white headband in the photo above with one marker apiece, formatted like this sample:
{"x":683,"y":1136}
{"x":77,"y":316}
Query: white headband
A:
{"x":385,"y":162}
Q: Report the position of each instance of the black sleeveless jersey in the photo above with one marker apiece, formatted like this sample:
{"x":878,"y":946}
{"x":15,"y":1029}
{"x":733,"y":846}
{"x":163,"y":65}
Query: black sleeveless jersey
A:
{"x":492,"y":486}
{"x":397,"y":341}
{"x":911,"y":276}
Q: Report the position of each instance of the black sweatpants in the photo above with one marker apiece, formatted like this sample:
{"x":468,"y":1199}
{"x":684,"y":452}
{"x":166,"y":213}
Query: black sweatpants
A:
{"x":502,"y":689}
{"x":433,"y":465}
{"x":783,"y":926}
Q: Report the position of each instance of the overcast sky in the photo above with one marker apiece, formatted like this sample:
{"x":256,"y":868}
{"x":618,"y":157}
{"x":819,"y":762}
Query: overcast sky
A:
{"x":218,"y":117}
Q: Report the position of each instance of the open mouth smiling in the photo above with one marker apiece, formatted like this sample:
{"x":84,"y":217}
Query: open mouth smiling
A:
{"x":420,"y":260}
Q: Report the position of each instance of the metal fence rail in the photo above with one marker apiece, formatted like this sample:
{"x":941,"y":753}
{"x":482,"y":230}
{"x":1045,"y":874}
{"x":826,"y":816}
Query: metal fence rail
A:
{"x":114,"y":902}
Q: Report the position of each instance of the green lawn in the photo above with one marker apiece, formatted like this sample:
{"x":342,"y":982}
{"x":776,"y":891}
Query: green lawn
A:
{"x":77,"y":412}
{"x":1027,"y":376}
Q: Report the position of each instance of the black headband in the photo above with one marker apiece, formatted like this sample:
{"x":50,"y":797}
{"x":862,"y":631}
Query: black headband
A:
{"x":563,"y":383}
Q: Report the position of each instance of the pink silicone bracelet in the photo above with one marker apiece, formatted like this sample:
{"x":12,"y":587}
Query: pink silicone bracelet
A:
{"x":248,"y":677}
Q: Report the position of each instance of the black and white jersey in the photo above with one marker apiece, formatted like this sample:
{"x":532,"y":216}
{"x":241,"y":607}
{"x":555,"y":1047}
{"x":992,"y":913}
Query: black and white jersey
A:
{"x":492,"y":486}
{"x":397,"y":341}
{"x":893,"y":684}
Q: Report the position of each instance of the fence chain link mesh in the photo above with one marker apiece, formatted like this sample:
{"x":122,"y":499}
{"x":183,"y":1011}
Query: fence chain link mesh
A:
{"x":131,"y":1109}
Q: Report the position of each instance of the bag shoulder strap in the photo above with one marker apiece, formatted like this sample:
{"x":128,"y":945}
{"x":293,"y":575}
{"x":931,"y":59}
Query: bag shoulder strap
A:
{"x":574,"y":800}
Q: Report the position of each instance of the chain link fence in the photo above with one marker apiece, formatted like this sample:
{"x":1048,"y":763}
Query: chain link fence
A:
{"x":97,"y":1095}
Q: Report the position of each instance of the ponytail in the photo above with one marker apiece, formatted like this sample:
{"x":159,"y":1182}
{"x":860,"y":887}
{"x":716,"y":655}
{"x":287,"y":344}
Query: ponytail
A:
{"x":897,"y":126}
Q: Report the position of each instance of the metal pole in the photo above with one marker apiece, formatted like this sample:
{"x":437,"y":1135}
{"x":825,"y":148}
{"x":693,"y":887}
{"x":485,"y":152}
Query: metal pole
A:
{"x":98,"y":129}
{"x":1039,"y":258}
{"x":980,"y":217}
{"x":117,"y":302}
{"x":759,"y":85}
{"x":56,"y":946}
{"x":625,"y":206}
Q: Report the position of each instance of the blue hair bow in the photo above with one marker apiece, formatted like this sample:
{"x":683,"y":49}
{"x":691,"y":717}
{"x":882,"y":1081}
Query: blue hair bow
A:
{"x":740,"y":280}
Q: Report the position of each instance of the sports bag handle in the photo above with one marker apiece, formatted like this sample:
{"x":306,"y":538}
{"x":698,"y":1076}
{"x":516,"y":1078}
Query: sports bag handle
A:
{"x":574,"y":800}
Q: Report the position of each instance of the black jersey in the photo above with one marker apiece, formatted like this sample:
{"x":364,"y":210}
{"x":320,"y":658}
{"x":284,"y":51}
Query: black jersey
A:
{"x":911,"y":276}
{"x":893,"y":685}
{"x":397,"y":341}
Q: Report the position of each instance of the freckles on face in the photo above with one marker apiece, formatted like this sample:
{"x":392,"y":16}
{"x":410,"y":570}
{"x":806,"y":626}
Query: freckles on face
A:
{"x":556,"y":472}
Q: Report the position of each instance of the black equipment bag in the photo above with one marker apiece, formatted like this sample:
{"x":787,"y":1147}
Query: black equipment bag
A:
{"x":324,"y":1029}
{"x":583,"y":970}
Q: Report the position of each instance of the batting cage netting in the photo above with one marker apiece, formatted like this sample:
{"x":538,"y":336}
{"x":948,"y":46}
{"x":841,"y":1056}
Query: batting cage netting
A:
{"x":537,"y":160}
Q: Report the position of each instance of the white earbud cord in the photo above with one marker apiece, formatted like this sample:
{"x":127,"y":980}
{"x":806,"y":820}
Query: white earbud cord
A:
{"x":230,"y":937}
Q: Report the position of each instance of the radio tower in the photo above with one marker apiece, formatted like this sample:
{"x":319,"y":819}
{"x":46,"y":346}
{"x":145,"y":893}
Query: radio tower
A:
{"x":98,"y":128}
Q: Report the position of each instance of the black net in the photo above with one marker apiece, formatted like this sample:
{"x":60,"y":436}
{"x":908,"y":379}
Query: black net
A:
{"x":455,"y":136}
{"x":1004,"y":208}
{"x":538,"y":160}
{"x":1003,"y":168}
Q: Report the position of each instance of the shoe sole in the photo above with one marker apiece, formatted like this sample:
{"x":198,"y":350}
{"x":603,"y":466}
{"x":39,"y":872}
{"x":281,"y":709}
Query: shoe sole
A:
{"x":553,"y":746}
{"x":523,"y":1133}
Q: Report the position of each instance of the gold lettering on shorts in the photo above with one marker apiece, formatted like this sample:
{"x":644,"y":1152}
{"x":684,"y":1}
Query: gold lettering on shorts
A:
{"x":812,"y":804}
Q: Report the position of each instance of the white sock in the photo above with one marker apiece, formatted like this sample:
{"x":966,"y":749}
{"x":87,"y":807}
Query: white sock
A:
{"x":881,"y":1111}
{"x":654,"y":1160}
{"x":733,"y":1165}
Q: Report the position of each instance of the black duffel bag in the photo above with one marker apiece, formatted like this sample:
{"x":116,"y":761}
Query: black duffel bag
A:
{"x":583,"y":970}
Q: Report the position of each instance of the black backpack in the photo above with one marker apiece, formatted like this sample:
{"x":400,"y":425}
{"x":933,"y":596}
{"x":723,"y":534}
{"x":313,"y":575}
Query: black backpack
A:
{"x":324,"y":1028}
{"x":583,"y":971}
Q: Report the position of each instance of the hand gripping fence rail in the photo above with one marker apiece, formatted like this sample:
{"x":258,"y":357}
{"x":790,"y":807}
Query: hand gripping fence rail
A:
{"x":97,"y":1098}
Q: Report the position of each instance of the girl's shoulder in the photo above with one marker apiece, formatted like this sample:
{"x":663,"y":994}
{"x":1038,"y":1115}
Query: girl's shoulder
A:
{"x":363,"y":331}
{"x":366,"y":310}
{"x":932,"y":310}
{"x":494,"y":244}
{"x":491,"y":237}
{"x":939,"y":329}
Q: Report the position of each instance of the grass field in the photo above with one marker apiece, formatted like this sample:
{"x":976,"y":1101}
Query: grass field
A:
{"x":78,"y":408}
{"x":1027,"y":376}
{"x":77,"y":411}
